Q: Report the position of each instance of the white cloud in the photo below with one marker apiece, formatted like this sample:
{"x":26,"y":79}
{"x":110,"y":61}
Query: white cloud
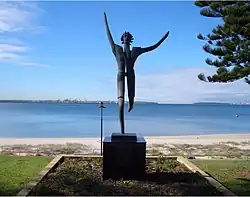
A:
{"x":181,"y":85}
{"x":12,"y":48}
{"x":17,"y":17}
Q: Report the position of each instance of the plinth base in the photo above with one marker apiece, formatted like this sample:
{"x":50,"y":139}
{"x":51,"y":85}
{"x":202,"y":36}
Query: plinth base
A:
{"x":124,"y":157}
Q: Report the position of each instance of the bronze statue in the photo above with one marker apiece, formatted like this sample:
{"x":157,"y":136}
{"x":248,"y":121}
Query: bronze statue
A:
{"x":126,"y":60}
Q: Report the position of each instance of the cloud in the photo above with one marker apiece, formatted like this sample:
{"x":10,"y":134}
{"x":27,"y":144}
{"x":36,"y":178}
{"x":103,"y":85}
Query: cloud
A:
{"x":12,"y":48}
{"x":17,"y":17}
{"x":181,"y":85}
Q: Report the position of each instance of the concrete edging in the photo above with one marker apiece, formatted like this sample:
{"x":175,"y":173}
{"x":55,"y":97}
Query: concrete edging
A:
{"x":52,"y":165}
{"x":225,"y":191}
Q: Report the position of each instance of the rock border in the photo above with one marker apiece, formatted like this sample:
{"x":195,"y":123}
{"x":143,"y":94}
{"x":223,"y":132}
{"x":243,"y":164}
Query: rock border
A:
{"x":59,"y":159}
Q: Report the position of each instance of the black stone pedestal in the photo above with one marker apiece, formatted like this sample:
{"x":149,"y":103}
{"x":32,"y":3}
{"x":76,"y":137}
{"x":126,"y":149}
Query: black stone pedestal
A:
{"x":124,"y":156}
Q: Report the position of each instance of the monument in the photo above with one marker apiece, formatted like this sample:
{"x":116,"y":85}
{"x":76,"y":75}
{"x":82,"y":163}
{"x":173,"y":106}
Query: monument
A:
{"x":124,"y":154}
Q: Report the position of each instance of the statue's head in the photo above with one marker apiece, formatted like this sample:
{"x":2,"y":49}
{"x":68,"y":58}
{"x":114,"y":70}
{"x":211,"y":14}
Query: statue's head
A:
{"x":127,"y":38}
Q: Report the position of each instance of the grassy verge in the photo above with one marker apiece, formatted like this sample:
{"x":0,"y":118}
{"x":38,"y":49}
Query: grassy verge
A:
{"x":234,"y":174}
{"x":17,"y":171}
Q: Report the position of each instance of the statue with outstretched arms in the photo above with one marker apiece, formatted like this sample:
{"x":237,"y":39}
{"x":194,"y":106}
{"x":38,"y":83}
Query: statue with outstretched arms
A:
{"x":126,"y":60}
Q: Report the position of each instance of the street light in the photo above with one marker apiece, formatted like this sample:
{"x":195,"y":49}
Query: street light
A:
{"x":101,"y":106}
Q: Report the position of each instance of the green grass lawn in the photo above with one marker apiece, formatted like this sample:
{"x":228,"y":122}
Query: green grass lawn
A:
{"x":17,"y":171}
{"x":234,"y":174}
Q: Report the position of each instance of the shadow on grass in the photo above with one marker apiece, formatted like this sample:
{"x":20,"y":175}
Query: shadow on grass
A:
{"x":240,"y":186}
{"x":244,"y":179}
{"x":155,"y":183}
{"x":8,"y":191}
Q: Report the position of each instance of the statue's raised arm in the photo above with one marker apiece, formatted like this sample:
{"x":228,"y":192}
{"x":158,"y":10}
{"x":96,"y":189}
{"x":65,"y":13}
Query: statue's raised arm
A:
{"x":153,"y":47}
{"x":111,"y":41}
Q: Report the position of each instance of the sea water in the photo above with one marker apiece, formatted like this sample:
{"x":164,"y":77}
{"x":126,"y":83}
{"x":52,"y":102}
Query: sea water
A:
{"x":83,"y":120}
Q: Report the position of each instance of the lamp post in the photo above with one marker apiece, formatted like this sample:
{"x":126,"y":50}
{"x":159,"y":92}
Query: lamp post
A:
{"x":101,"y":106}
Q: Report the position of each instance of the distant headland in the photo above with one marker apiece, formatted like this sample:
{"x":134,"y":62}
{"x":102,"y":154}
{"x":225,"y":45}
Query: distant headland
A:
{"x":211,"y":103}
{"x":218,"y":103}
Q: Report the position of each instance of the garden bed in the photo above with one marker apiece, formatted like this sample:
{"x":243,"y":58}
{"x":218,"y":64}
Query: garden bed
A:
{"x":83,"y":176}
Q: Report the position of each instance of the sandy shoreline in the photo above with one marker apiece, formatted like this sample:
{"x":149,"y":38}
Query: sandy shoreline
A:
{"x":95,"y":142}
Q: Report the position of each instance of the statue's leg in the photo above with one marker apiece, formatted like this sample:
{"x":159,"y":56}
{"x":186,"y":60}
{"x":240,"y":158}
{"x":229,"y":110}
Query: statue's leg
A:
{"x":121,"y":92}
{"x":131,"y":88}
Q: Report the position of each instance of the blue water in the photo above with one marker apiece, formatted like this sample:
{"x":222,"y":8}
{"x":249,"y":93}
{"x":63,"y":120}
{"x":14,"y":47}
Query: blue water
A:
{"x":74,"y":120}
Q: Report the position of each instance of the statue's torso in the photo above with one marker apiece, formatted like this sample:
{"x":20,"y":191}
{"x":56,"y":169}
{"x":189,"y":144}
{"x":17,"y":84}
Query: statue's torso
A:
{"x":123,"y":61}
{"x":126,"y":65}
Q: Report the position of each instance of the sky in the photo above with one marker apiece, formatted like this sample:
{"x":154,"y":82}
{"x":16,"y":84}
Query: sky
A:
{"x":59,"y":50}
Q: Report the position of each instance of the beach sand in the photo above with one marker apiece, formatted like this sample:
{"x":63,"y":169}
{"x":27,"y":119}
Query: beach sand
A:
{"x":95,"y":142}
